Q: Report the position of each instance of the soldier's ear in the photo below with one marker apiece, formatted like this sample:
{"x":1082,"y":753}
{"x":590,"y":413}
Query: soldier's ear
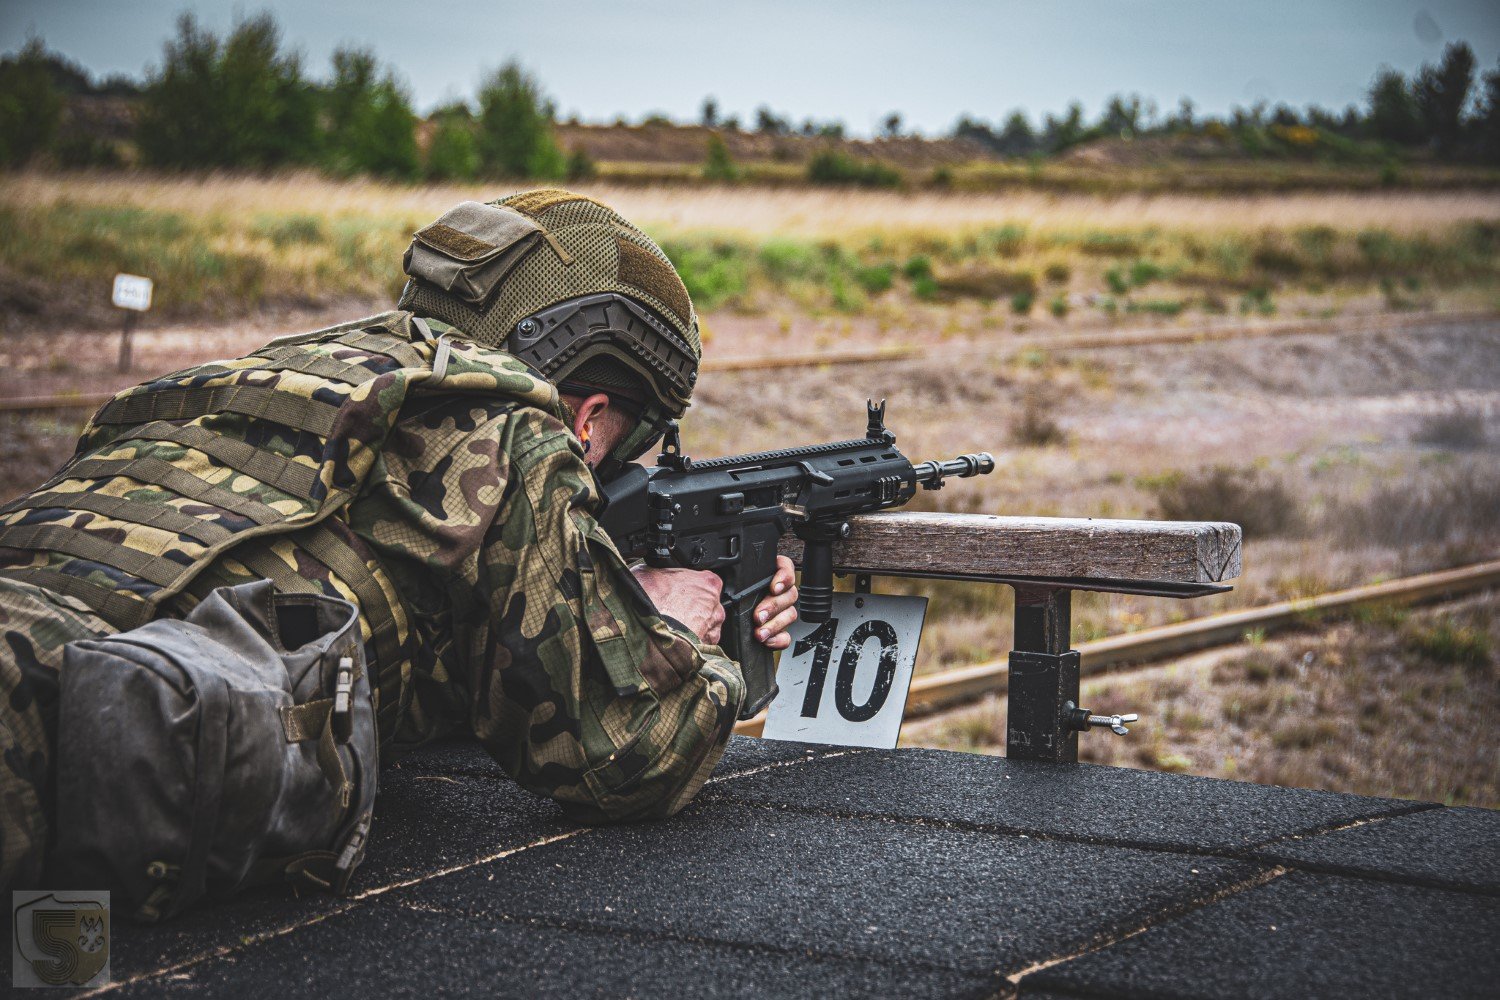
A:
{"x":587,"y":413}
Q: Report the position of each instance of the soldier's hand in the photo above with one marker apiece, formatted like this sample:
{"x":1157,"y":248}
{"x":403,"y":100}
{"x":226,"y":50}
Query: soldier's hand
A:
{"x":775,"y":614}
{"x":689,"y":595}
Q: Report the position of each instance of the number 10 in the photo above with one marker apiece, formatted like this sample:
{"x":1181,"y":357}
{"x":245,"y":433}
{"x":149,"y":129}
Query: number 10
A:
{"x":820,"y":643}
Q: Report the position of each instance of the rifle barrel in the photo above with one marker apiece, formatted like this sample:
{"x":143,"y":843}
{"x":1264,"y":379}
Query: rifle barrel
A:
{"x":932,"y":474}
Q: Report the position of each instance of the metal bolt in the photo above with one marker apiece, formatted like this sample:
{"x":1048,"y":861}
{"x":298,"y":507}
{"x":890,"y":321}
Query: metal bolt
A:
{"x":528,"y":327}
{"x":1115,"y":722}
{"x":1082,"y":720}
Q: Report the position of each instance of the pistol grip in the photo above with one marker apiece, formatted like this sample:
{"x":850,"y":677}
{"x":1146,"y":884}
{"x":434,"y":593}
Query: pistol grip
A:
{"x":757,"y":663}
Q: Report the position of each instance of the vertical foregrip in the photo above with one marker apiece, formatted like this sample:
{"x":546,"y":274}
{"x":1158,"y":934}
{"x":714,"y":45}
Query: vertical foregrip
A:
{"x":815,"y":593}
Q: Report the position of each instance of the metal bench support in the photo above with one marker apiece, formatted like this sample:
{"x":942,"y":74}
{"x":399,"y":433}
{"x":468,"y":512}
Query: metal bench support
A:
{"x":1043,"y":677}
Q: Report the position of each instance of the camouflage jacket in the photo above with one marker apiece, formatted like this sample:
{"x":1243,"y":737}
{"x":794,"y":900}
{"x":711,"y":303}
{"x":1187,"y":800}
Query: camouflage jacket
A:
{"x":465,"y":525}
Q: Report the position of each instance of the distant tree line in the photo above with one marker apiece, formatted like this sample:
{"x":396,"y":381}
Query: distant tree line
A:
{"x":1442,"y":107}
{"x":244,"y":100}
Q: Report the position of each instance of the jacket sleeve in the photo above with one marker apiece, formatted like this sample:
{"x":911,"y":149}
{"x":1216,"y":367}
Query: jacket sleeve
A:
{"x":583,"y":692}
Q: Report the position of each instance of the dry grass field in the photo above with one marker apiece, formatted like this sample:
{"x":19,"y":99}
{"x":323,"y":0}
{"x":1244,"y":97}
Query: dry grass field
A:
{"x":1349,"y":456}
{"x":225,"y":246}
{"x":808,"y":212}
{"x":815,"y":213}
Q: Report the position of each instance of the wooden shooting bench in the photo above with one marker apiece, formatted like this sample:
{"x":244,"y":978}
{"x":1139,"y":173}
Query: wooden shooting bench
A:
{"x":1045,"y":559}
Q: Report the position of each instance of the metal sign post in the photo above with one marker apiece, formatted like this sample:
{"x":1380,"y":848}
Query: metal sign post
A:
{"x":132,"y":293}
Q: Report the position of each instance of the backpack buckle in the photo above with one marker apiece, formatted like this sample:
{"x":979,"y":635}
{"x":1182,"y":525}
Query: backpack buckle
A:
{"x":344,"y":686}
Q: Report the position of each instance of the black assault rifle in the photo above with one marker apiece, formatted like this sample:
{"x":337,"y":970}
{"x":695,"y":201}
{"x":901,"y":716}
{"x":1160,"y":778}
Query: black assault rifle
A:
{"x":728,"y":514}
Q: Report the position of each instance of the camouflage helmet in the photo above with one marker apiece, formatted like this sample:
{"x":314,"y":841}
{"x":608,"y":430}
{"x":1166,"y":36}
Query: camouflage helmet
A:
{"x":566,"y":284}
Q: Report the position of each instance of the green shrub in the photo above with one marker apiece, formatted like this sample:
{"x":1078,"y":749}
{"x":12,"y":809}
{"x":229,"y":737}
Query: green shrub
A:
{"x":77,"y":151}
{"x":1059,"y":306}
{"x":875,"y":279}
{"x":1021,"y":302}
{"x":580,"y":165}
{"x":925,"y":287}
{"x":454,"y":153}
{"x":786,"y":260}
{"x":515,"y":127}
{"x":1003,"y":241}
{"x":845,"y":293}
{"x":1057,"y":273}
{"x":918,"y":267}
{"x":1258,"y":300}
{"x":1143,"y":272}
{"x":1116,"y":280}
{"x":714,"y":273}
{"x":831,"y":166}
{"x":717,"y":164}
{"x":1156,"y":307}
{"x":1107,"y":244}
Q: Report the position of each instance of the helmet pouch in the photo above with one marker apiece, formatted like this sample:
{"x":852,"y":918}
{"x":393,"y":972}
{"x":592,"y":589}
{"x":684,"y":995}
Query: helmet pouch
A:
{"x":469,"y":250}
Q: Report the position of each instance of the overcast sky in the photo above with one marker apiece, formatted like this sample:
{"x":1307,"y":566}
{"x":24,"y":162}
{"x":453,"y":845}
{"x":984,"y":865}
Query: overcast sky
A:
{"x":855,"y":60}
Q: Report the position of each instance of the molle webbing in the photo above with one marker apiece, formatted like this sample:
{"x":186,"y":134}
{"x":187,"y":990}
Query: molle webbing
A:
{"x":122,"y":609}
{"x":154,"y":471}
{"x":163,"y":517}
{"x":318,"y":365}
{"x":262,"y":402}
{"x":95,"y":548}
{"x":268,"y":467}
{"x":196,"y":486}
{"x":407,"y":355}
{"x":168,"y":414}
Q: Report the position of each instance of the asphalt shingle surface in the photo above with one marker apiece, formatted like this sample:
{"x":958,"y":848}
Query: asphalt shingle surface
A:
{"x":807,"y":871}
{"x":934,"y":896}
{"x":1304,"y":936}
{"x":412,"y":953}
{"x":1447,"y":848}
{"x":1103,"y":804}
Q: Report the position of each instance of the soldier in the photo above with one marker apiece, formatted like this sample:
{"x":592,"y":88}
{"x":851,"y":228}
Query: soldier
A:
{"x":435,"y":465}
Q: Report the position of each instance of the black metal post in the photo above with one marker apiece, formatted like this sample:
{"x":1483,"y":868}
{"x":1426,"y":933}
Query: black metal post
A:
{"x":1043,"y":677}
{"x":131,"y":318}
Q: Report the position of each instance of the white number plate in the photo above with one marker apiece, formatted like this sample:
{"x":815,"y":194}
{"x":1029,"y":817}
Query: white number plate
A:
{"x":132,"y":292}
{"x":844,"y":681}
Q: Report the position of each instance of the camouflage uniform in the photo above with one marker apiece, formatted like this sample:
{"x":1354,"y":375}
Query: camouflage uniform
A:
{"x":441,"y":489}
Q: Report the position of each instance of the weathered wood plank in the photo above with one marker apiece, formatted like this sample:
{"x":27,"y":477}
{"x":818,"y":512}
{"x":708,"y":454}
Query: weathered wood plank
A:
{"x":989,"y":546}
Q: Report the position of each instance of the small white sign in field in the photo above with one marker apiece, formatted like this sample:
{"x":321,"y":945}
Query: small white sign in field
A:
{"x":844,"y":681}
{"x":132,"y":292}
